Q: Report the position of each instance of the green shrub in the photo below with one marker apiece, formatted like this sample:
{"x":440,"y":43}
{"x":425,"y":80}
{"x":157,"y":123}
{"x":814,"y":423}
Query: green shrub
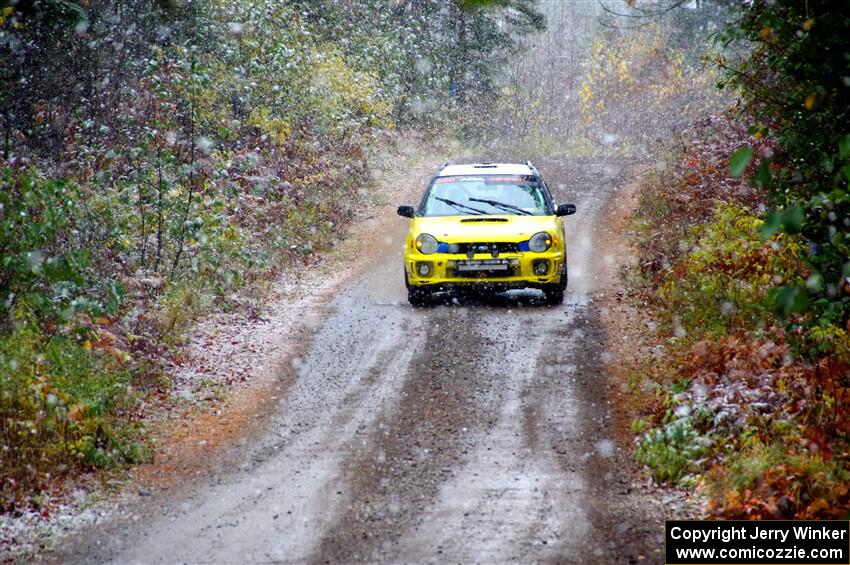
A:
{"x":62,"y":407}
{"x":671,"y":451}
{"x":723,"y":283}
{"x":792,"y":81}
{"x":39,"y":265}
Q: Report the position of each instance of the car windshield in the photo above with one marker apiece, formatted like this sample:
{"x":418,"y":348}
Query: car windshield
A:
{"x":484,"y":194}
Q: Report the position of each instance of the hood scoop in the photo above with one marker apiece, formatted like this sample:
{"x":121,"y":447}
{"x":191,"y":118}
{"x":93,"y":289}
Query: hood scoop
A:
{"x":465,"y":220}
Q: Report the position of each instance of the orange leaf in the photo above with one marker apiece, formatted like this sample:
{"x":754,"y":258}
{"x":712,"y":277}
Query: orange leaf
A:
{"x":76,"y":413}
{"x":817,"y":506}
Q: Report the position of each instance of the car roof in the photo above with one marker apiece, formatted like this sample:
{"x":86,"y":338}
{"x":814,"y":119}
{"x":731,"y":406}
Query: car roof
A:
{"x":486,"y":169}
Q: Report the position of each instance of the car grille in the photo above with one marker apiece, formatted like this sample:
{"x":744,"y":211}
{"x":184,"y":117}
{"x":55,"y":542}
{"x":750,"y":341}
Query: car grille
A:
{"x":469,"y":249}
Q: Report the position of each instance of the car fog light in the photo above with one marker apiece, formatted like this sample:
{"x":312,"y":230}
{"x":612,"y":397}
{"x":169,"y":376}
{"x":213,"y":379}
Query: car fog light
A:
{"x":541,"y":268}
{"x":424,"y":269}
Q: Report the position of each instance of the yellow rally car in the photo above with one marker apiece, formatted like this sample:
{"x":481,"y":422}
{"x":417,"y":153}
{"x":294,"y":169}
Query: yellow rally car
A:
{"x":486,"y":226}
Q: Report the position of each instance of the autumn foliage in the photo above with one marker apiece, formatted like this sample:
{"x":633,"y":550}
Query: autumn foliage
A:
{"x":759,"y":395}
{"x":159,"y":160}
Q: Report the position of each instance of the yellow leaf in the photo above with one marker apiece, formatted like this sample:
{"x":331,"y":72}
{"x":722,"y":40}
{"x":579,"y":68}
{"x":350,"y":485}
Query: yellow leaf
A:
{"x":810,"y":101}
{"x":87,"y":345}
{"x":807,"y":25}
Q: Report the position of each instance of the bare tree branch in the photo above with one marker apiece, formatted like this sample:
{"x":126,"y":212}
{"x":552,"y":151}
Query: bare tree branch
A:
{"x":643,"y":13}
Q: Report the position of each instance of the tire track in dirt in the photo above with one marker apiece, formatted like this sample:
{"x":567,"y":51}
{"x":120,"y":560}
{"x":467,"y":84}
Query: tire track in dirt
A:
{"x":462,"y":394}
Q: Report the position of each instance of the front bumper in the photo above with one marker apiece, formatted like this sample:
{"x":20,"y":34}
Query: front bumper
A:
{"x":447,"y":271}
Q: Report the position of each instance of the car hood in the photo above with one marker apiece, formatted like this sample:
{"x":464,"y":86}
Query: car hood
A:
{"x":460,"y":229}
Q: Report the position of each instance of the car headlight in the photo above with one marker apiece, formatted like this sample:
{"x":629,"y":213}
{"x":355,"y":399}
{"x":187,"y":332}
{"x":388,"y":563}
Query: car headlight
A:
{"x":426,"y":243}
{"x":540,"y":242}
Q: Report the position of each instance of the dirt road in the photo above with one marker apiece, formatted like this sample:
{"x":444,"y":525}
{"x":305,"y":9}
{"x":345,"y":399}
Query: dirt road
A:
{"x":475,"y":431}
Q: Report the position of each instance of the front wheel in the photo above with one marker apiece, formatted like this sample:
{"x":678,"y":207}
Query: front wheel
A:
{"x":417,"y":295}
{"x":554,"y":294}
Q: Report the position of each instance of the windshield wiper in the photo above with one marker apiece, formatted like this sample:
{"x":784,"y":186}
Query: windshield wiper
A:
{"x":458,"y":205}
{"x":501,"y":205}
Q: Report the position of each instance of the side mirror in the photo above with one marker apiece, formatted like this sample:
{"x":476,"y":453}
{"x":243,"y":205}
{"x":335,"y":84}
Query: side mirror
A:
{"x":563,"y":210}
{"x":408,"y":211}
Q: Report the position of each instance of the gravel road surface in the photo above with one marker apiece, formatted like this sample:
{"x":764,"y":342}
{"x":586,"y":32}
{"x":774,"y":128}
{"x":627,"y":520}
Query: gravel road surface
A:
{"x":475,"y":430}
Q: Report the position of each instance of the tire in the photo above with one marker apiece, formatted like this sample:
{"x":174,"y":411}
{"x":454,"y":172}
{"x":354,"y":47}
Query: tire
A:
{"x":417,"y":295}
{"x":554,"y":294}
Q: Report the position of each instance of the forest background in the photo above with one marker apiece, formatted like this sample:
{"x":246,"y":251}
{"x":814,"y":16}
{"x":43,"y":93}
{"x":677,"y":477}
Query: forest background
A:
{"x":160,"y":160}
